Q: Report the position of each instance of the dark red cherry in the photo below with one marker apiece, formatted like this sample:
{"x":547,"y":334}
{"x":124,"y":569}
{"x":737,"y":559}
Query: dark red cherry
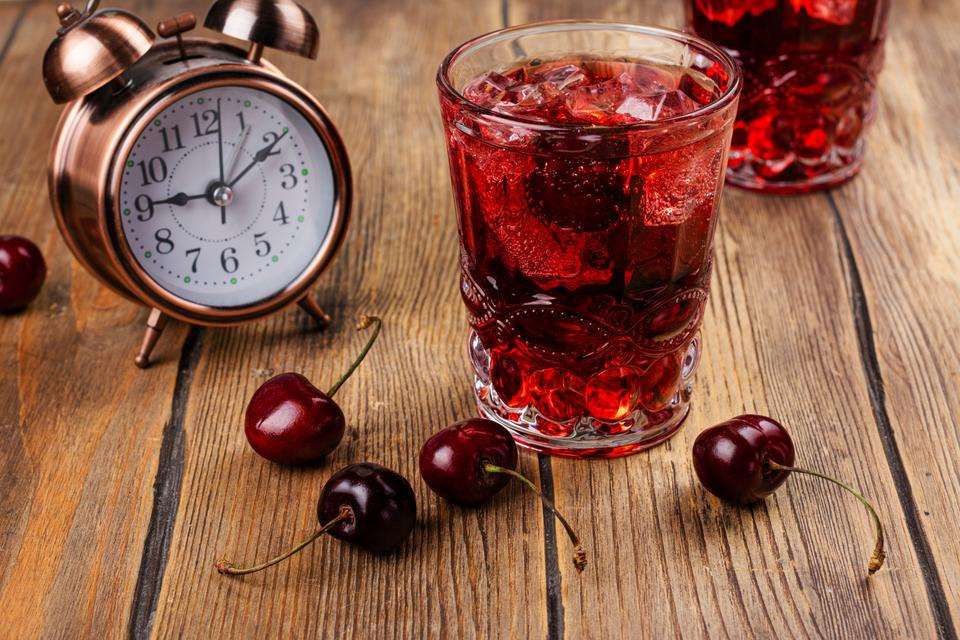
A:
{"x":363,"y":504}
{"x":290,"y":421}
{"x":731,"y":458}
{"x":471,"y":461}
{"x":22,"y":272}
{"x":452,"y":461}
{"x":745,"y":459}
{"x":381,"y":501}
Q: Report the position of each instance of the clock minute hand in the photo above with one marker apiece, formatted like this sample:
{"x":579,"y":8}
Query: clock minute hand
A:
{"x":259,"y":156}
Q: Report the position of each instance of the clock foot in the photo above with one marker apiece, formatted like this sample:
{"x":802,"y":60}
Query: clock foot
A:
{"x":155,"y":325}
{"x":308,"y":304}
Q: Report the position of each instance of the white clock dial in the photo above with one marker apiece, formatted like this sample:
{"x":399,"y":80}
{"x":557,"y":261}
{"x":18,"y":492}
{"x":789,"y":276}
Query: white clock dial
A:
{"x":227,"y":197}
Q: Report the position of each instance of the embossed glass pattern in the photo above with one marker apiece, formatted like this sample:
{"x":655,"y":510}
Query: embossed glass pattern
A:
{"x":586,"y":230}
{"x":810,"y":69}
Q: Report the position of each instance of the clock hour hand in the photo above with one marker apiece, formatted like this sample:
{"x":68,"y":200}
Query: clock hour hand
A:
{"x":260,"y":156}
{"x":180,"y":200}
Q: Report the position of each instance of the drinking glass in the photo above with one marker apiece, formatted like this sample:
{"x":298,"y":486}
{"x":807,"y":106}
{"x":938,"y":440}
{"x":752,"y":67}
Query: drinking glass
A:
{"x":810,"y":69}
{"x":587,"y":160}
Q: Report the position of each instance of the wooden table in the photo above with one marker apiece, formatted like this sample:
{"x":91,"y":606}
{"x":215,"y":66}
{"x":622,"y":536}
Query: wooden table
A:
{"x":838,"y":313}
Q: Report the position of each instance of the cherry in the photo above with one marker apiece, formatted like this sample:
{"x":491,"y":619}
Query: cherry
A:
{"x":745,"y":459}
{"x":22,"y":272}
{"x":469,"y":462}
{"x":290,"y":421}
{"x":363,"y":504}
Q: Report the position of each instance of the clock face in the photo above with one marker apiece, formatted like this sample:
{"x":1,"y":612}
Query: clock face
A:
{"x":227,"y":197}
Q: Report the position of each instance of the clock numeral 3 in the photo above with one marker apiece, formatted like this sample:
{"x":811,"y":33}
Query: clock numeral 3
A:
{"x":144,"y":205}
{"x":228,"y":260}
{"x":164,"y":243}
{"x":289,"y":173}
{"x":263,"y":247}
{"x":206,"y":123}
{"x":152,"y":170}
{"x":196,"y":256}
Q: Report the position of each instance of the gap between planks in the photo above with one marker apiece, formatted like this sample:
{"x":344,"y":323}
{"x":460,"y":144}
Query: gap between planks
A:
{"x":166,"y":495}
{"x":874,"y":381}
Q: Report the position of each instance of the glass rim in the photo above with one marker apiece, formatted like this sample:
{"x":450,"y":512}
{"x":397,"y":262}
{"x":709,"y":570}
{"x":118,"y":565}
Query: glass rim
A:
{"x":727,"y":97}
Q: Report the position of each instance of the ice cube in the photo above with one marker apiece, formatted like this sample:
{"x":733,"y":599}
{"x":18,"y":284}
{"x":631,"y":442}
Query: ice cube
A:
{"x":839,"y":12}
{"x":656,"y":107}
{"x":595,"y":103}
{"x":564,"y":77}
{"x":730,"y":12}
{"x":488,"y":89}
{"x":679,"y":183}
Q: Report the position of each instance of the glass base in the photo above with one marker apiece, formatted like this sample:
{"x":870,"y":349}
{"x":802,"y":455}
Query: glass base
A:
{"x":744,"y":177}
{"x":586,"y":436}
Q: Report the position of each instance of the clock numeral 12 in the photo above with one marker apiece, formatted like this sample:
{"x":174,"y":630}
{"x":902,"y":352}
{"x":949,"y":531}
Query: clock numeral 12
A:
{"x":210,"y":118}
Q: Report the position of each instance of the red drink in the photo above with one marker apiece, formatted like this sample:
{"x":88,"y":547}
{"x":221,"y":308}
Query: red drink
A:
{"x":587,"y":191}
{"x":810,"y":68}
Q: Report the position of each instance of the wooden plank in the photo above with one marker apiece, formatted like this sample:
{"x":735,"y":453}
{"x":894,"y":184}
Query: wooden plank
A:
{"x":80,"y":443}
{"x":780,"y":338}
{"x":901,"y":218}
{"x":468,"y":573}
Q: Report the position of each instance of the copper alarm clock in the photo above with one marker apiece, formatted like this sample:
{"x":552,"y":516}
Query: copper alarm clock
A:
{"x":190,"y":175}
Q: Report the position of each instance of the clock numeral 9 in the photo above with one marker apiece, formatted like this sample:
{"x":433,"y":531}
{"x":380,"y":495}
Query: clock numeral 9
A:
{"x":164,"y":243}
{"x":228,"y":260}
{"x":144,"y":205}
{"x":153,"y":170}
{"x":289,"y":176}
{"x":263,"y":247}
{"x":206,"y":123}
{"x":196,"y":256}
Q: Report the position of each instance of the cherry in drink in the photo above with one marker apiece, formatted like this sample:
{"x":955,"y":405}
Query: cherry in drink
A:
{"x":810,"y":68}
{"x":587,"y":187}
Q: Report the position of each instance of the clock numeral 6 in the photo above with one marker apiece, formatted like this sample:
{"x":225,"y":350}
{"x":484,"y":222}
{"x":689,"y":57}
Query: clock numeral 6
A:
{"x":290,"y":179}
{"x":164,"y":243}
{"x":153,"y":170}
{"x":263,"y":247}
{"x":228,"y":260}
{"x":144,"y":205}
{"x":196,"y":256}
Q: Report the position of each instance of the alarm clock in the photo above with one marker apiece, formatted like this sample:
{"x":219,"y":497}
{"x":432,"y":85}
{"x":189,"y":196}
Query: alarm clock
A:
{"x":190,"y":175}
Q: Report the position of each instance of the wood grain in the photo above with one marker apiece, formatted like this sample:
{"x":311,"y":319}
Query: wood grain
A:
{"x":902,"y":219}
{"x":780,"y":338}
{"x":836,"y":313}
{"x":467,"y":574}
{"x":80,"y":443}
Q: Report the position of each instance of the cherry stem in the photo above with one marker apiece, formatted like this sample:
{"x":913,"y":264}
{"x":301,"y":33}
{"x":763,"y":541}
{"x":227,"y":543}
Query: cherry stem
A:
{"x":365,"y":321}
{"x":876,"y":560}
{"x":227,"y":568}
{"x":579,"y":555}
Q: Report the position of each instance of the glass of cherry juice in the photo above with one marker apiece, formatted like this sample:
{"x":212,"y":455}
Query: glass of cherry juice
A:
{"x":587,"y":161}
{"x":810,"y":68}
